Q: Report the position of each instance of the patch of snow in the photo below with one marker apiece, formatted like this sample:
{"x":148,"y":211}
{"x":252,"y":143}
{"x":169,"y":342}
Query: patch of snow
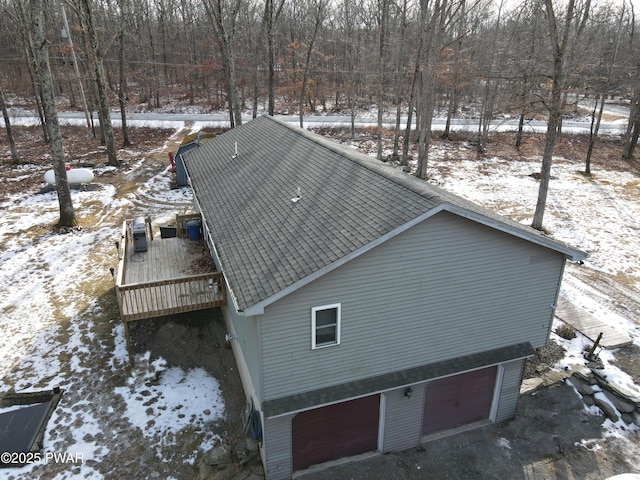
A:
{"x":161,"y":401}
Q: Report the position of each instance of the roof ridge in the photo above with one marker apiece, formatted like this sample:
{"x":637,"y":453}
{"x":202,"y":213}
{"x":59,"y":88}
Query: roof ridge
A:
{"x":412,"y":183}
{"x":405,"y":180}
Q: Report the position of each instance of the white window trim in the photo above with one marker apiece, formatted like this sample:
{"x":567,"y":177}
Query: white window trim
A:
{"x":338,"y":307}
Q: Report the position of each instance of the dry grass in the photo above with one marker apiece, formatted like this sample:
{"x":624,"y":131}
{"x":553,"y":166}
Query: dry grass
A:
{"x":81,"y":148}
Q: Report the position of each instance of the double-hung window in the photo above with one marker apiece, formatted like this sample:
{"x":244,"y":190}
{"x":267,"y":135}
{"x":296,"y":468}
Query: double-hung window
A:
{"x":325,"y":326}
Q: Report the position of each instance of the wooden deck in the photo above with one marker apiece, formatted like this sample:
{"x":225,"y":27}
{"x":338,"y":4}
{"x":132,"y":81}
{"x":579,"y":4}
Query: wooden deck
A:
{"x":590,"y":326}
{"x":160,"y":281}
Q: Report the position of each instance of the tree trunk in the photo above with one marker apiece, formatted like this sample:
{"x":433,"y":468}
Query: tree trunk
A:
{"x":101,"y":85}
{"x":37,"y":89}
{"x":523,"y":111}
{"x":224,"y":24}
{"x":633,"y":127}
{"x":396,"y":132}
{"x":74,"y":60}
{"x":634,"y":120}
{"x":122,"y":89}
{"x":593,"y":131}
{"x":519,"y":135}
{"x":559,"y":47}
{"x":319,"y":13}
{"x":254,"y":112}
{"x":15,"y":159}
{"x":154,"y":64}
{"x":382,"y":25}
{"x":434,"y":30}
{"x":490,"y":91}
{"x":233,"y":87}
{"x":404,"y":160}
{"x":270,"y":19}
{"x":39,"y":47}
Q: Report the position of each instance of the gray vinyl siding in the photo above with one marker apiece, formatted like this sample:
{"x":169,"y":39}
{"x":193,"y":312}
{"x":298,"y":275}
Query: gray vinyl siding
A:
{"x":247,"y":332}
{"x":509,"y":390}
{"x":444,"y":288}
{"x":403,"y":419}
{"x":277,"y":445}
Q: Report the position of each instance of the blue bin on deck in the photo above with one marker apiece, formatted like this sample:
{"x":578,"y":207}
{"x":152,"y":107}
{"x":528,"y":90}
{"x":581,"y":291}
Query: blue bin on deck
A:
{"x":193,"y":229}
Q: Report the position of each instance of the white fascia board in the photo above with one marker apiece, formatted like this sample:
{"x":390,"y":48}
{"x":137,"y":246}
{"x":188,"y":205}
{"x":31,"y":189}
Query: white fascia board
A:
{"x":226,"y":281}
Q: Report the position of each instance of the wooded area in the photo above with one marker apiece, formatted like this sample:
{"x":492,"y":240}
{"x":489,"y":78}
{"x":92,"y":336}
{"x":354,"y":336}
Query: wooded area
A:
{"x":416,"y":58}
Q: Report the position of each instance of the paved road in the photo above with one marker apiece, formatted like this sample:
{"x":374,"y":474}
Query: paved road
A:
{"x":25,"y":117}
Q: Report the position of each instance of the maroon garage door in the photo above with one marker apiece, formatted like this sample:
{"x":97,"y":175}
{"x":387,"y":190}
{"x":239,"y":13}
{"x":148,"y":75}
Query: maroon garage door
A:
{"x":335,"y":431}
{"x":458,"y":400}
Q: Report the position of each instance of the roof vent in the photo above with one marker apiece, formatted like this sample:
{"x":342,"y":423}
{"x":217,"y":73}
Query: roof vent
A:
{"x":297,"y":198}
{"x":235,"y":154}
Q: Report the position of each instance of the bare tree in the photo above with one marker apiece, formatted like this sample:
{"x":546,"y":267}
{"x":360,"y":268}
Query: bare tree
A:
{"x":74,"y":61}
{"x":458,"y":63}
{"x":15,"y":158}
{"x":399,"y":75}
{"x":122,"y":88}
{"x":602,"y":95}
{"x":560,"y":39}
{"x":630,"y":139}
{"x":101,"y":83}
{"x":383,"y":21}
{"x":317,"y":11}
{"x":432,"y":23}
{"x":33,"y":11}
{"x":224,"y":15}
{"x":28,"y":55}
{"x":348,"y":15}
{"x":523,"y":70}
{"x":272,"y":11}
{"x":491,"y":84}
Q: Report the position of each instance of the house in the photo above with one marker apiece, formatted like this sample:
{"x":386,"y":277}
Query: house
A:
{"x":368,"y":310}
{"x":190,"y":141}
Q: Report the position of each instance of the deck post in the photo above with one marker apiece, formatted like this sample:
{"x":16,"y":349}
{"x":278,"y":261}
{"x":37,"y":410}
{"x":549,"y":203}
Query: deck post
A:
{"x":126,"y":336}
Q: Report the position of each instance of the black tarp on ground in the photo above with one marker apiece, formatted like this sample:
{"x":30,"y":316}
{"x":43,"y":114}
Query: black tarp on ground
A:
{"x":19,"y":428}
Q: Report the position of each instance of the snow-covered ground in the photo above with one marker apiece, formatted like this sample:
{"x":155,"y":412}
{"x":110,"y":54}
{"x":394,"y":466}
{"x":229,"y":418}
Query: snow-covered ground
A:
{"x":60,"y":327}
{"x":53,"y":288}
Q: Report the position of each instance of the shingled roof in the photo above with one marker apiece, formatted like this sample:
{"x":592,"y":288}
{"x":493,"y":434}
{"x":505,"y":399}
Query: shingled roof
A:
{"x":268,"y":245}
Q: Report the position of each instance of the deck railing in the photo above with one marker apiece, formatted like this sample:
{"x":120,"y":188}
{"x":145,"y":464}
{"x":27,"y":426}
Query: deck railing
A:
{"x":168,"y":297}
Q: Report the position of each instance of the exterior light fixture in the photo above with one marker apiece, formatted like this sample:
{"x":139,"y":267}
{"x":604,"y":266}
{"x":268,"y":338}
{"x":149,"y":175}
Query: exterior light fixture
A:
{"x":408,"y":392}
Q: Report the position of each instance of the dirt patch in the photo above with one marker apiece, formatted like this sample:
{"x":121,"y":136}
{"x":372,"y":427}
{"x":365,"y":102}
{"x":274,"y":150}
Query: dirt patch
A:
{"x":82,"y":148}
{"x":544,"y":358}
{"x":627,"y":359}
{"x":197,"y":340}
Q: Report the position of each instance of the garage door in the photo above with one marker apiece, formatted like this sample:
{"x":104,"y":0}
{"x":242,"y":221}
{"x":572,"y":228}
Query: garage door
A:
{"x":335,"y":431}
{"x":458,"y":400}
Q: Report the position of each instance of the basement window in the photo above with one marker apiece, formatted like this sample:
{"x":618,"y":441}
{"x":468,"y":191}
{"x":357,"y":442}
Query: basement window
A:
{"x":325,"y":326}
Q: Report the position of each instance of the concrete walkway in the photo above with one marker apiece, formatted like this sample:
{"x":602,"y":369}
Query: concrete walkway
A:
{"x":590,"y":326}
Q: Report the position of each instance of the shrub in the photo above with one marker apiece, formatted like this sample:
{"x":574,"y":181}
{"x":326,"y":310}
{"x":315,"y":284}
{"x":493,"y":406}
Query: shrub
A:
{"x":566,"y":331}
